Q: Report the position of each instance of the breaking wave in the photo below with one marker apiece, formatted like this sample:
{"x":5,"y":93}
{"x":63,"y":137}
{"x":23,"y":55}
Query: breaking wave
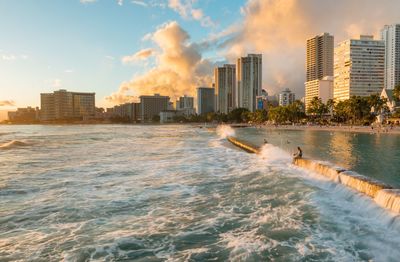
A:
{"x":224,"y":131}
{"x":13,"y":144}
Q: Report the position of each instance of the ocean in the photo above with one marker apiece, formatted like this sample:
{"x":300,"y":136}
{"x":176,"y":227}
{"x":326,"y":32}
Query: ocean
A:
{"x":183,"y":193}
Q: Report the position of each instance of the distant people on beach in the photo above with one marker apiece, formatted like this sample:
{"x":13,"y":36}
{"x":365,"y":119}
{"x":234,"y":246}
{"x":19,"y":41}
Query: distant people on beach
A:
{"x":265,"y":141}
{"x":299,"y":153}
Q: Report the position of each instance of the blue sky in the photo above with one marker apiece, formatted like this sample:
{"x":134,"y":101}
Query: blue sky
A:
{"x":50,"y":44}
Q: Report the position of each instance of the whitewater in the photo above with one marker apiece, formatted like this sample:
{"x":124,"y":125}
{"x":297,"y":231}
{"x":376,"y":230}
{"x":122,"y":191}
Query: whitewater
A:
{"x":175,"y":193}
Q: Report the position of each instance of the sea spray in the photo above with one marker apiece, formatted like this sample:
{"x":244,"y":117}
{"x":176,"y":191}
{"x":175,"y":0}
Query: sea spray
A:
{"x":225,"y":131}
{"x":273,"y":154}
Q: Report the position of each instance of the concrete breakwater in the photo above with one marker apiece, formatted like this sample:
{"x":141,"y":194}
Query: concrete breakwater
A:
{"x":246,"y":146}
{"x":384,"y":195}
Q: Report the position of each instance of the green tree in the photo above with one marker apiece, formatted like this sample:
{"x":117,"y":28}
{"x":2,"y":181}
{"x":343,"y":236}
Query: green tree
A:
{"x":396,"y":93}
{"x":317,"y":107}
{"x":236,"y":115}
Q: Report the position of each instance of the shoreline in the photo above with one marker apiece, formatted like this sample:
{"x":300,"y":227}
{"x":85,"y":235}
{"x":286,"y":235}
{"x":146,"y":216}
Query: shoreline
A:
{"x":350,"y":129}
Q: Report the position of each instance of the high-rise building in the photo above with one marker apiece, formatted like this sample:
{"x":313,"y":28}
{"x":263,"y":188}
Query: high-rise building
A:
{"x":67,"y":105}
{"x":319,"y":66}
{"x":391,"y":36}
{"x":286,"y":97}
{"x":205,"y":100}
{"x":225,"y":87}
{"x":185,"y":105}
{"x":358,"y":68}
{"x":321,"y":88}
{"x":319,"y":57}
{"x":151,"y":106}
{"x":249,"y":81}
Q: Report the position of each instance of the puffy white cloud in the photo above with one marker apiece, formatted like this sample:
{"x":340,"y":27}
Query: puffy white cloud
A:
{"x":185,"y":9}
{"x":279,"y":29}
{"x":179,"y":68}
{"x":138,"y":56}
{"x":141,"y":3}
{"x":87,"y":1}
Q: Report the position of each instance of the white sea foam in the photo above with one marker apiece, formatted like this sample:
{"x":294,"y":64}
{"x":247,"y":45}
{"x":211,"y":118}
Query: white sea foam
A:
{"x":224,"y":131}
{"x":274,"y":155}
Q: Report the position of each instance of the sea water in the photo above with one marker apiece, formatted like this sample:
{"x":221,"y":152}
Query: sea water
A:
{"x":177,"y":193}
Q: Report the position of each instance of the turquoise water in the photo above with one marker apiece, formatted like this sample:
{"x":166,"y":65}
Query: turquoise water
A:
{"x":373,"y":155}
{"x":176,"y":193}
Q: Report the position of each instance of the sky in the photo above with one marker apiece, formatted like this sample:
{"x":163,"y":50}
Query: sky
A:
{"x":122,"y":49}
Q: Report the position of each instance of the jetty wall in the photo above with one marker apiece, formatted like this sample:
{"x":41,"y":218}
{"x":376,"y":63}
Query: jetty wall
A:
{"x":383,"y":194}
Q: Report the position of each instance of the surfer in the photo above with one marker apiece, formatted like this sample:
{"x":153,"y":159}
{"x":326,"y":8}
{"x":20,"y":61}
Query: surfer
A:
{"x":299,"y":153}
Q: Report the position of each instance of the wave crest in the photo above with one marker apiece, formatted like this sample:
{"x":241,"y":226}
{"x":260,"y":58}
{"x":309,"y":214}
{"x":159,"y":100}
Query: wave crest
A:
{"x":13,"y":144}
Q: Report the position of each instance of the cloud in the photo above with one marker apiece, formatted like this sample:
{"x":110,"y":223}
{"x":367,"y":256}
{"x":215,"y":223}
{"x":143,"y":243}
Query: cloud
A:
{"x":185,"y":9}
{"x":141,"y":3}
{"x":12,"y":57}
{"x":279,"y":29}
{"x":120,"y":2}
{"x":140,"y":55}
{"x":179,"y":68}
{"x":87,"y":1}
{"x":7,"y":103}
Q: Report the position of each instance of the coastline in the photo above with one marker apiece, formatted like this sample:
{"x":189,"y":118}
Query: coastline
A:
{"x":351,"y":129}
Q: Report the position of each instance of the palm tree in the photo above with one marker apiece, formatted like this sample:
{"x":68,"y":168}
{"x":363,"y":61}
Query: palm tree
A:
{"x":331,"y":105}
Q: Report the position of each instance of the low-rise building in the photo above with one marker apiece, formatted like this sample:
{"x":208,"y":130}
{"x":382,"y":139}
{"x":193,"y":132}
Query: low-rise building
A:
{"x":28,"y":114}
{"x":62,"y":104}
{"x":151,"y":106}
{"x":391,"y":103}
{"x":321,"y":88}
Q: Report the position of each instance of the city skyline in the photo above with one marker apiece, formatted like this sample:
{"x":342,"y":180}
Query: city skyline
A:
{"x":179,"y":41}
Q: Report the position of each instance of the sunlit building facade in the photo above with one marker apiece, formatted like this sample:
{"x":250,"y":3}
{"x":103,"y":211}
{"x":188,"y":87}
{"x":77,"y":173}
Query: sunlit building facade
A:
{"x":319,"y":61}
{"x":319,"y":67}
{"x":359,"y":66}
{"x":62,"y":104}
{"x":321,"y":88}
{"x":391,"y":36}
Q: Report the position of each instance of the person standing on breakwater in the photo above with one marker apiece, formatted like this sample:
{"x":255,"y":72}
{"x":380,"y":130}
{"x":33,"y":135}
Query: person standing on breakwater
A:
{"x":299,"y":153}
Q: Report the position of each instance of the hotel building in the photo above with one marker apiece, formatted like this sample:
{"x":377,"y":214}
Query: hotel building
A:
{"x":249,"y":81}
{"x":205,"y":100}
{"x":359,"y":67}
{"x":151,"y":106}
{"x":225,"y":87}
{"x":67,"y":105}
{"x":319,"y":66}
{"x":391,"y":36}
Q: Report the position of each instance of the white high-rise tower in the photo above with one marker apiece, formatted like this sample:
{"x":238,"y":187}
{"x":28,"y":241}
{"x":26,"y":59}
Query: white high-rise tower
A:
{"x":391,"y":36}
{"x":359,"y":66}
